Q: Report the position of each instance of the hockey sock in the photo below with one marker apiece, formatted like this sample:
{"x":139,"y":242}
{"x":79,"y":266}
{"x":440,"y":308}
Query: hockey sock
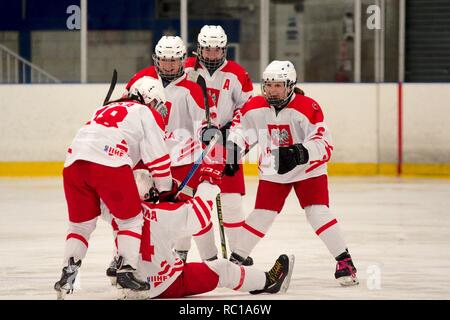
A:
{"x":77,"y":239}
{"x":325,"y":225}
{"x":236,"y":277}
{"x":233,"y":217}
{"x":205,"y":242}
{"x":129,"y":239}
{"x":255,"y":227}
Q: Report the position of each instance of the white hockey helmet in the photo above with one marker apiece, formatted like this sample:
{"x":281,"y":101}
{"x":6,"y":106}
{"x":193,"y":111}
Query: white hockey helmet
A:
{"x":212,"y":37}
{"x":280,"y":71}
{"x":148,"y":89}
{"x":144,"y":183}
{"x":169,"y":48}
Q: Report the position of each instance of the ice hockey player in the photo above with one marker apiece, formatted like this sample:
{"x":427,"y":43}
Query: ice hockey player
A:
{"x":166,"y":274}
{"x":98,"y":168}
{"x":184,"y":115}
{"x":295,"y":146}
{"x":229,"y":86}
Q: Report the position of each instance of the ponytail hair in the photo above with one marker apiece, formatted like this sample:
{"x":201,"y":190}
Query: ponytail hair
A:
{"x":297,"y":90}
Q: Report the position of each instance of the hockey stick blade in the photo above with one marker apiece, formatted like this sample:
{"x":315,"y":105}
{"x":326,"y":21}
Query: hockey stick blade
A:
{"x":111,"y":87}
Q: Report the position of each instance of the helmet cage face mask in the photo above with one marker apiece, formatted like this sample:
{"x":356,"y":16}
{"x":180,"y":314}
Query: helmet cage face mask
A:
{"x":211,"y":64}
{"x":165,"y":75}
{"x":168,"y":50}
{"x":278,"y":102}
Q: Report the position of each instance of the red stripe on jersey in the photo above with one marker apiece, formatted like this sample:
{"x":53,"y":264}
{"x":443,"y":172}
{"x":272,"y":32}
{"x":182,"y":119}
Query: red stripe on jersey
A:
{"x":190,"y":63}
{"x":129,"y":233}
{"x":161,"y":175}
{"x":161,"y":167}
{"x":159,"y":119}
{"x":241,"y":279}
{"x":203,"y":231}
{"x":326,"y":226}
{"x":204,"y":207}
{"x":308,"y":107}
{"x":194,"y":90}
{"x":240,"y":73}
{"x":78,"y":237}
{"x":199,"y":215}
{"x":258,"y":102}
{"x":149,"y":72}
{"x":254,"y":231}
{"x":167,"y":206}
{"x":233,"y":225}
{"x":158,"y":161}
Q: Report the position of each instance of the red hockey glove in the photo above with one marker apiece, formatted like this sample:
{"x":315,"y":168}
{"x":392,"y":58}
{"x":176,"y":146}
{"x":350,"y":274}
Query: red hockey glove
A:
{"x":211,"y":173}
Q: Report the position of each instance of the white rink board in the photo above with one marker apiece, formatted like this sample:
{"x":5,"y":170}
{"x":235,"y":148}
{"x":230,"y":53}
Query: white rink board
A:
{"x":39,"y":121}
{"x":397,"y":231}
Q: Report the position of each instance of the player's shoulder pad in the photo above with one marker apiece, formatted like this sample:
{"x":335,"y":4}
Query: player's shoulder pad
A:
{"x":258,"y":102}
{"x":308,"y":107}
{"x":147,"y":72}
{"x":194,"y":90}
{"x":155,"y":114}
{"x":241,"y":74}
{"x":190,"y":62}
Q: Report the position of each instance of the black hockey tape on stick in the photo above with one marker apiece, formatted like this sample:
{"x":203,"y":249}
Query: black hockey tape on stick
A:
{"x":111,"y":87}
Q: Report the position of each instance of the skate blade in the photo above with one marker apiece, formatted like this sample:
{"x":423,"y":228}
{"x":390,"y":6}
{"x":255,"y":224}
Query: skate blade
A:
{"x":348,"y":281}
{"x":128,"y":294}
{"x":287,"y":280}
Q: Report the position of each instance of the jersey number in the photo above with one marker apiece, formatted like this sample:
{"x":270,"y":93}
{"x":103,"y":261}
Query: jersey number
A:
{"x":110,"y":117}
{"x":147,"y":249}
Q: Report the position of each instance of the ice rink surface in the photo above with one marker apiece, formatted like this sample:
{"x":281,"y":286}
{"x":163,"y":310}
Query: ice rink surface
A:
{"x":397,"y":230}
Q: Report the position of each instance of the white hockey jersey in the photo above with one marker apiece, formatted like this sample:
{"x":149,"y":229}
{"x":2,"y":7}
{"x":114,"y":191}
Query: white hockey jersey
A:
{"x":301,"y":121}
{"x":184,"y":116}
{"x":123,"y":133}
{"x":164,"y":223}
{"x":230,"y":87}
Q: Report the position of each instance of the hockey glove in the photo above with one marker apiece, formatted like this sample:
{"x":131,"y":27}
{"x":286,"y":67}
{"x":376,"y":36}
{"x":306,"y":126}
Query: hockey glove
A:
{"x":225,"y":130}
{"x":287,"y":158}
{"x":212,"y":174}
{"x":169,"y":196}
{"x":233,"y":156}
{"x":208,"y":133}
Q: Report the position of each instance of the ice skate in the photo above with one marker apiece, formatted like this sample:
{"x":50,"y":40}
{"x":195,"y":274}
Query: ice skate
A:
{"x":240,"y":261}
{"x":65,"y":285}
{"x":279,"y":277}
{"x":345,"y":271}
{"x":111,"y":272}
{"x":128,"y":285}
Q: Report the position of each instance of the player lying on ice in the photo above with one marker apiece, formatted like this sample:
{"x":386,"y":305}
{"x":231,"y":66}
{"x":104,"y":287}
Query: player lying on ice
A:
{"x":167,"y":275}
{"x":162,"y":268}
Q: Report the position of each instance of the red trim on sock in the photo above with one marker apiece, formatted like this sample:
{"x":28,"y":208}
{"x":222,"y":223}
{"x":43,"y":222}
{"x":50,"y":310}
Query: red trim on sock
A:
{"x":203,"y":231}
{"x":326,"y":226}
{"x":252,"y":230}
{"x":241,"y":280}
{"x":234,"y":224}
{"x":78,"y":237}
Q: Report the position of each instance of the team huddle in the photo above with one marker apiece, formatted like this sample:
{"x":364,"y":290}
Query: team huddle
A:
{"x":155,"y":162}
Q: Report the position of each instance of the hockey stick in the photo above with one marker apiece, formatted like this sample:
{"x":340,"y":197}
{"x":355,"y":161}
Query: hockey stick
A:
{"x":111,"y":87}
{"x":202,"y":83}
{"x":197,"y":163}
